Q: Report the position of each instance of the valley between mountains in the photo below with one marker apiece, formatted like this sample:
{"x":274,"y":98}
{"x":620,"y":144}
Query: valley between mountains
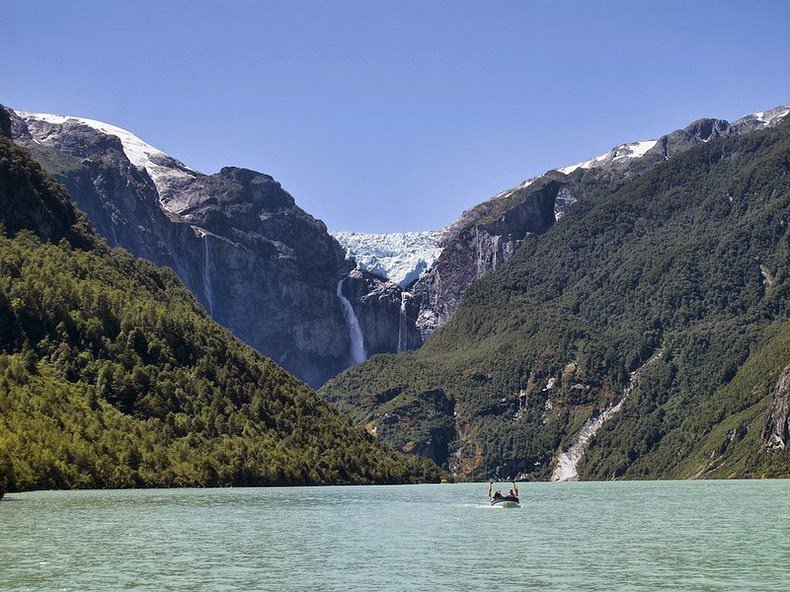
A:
{"x":623,"y":317}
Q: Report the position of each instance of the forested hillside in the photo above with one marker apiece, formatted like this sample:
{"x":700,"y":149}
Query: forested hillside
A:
{"x":684,"y":265}
{"x":113,"y":375}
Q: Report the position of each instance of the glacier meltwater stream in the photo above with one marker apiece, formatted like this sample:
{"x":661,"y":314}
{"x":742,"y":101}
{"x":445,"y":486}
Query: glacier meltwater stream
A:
{"x":207,"y":291}
{"x":403,"y":329}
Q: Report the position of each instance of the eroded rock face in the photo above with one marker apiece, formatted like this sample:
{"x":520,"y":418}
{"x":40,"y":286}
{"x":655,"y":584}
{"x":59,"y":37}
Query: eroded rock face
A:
{"x":481,"y":240}
{"x":776,"y":433}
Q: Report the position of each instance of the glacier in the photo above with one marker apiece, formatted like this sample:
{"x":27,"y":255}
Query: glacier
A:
{"x":400,"y":257}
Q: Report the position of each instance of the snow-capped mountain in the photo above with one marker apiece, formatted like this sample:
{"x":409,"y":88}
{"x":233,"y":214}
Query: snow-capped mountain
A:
{"x":488,"y":234}
{"x":633,"y":150}
{"x":166,"y":172}
{"x":262,"y":267}
{"x":400,"y":257}
{"x":273,"y":274}
{"x":640,"y":148}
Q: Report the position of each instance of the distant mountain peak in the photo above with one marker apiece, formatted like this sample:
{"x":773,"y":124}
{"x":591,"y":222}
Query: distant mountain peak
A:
{"x":638,"y":149}
{"x":631,"y":150}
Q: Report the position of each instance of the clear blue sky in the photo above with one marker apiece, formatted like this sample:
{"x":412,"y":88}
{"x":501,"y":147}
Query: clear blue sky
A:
{"x":390,"y":116}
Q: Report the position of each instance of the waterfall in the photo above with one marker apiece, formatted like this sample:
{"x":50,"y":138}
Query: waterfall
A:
{"x":207,"y":292}
{"x":567,"y":462}
{"x":403,"y":334}
{"x":354,"y":331}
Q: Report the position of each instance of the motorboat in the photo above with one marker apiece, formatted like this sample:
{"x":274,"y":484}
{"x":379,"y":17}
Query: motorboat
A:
{"x":503,"y":501}
{"x":506,"y":501}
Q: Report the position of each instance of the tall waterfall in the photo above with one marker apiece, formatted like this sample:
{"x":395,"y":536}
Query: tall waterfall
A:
{"x":207,"y":291}
{"x":354,"y":331}
{"x":403,"y":328}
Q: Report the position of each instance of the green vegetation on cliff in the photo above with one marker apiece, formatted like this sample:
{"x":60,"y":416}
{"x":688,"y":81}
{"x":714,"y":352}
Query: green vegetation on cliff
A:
{"x":112,"y":375}
{"x":689,"y":258}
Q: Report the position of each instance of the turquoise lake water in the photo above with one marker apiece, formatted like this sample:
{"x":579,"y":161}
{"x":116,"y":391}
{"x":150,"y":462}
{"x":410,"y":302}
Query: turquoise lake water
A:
{"x":701,"y":535}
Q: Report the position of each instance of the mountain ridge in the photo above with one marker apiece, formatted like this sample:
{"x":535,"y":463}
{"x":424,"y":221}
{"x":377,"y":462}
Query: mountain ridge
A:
{"x":247,"y":251}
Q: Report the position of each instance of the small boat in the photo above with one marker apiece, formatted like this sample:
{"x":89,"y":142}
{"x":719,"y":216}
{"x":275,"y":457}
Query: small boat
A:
{"x":503,"y":501}
{"x":506,"y":501}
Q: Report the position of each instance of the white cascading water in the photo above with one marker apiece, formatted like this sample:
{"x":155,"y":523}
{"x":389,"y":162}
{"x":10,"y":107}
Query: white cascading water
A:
{"x":354,"y":331}
{"x":207,"y":292}
{"x":402,"y":327}
{"x":567,"y":462}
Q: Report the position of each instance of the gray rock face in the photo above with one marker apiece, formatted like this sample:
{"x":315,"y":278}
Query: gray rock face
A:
{"x":262,"y":266}
{"x":387,"y":314}
{"x":481,"y":240}
{"x":776,"y":433}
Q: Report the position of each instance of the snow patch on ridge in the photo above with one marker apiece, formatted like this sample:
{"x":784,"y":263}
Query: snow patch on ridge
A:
{"x":772,"y":116}
{"x":630,"y":150}
{"x":162,"y":168}
{"x":400,"y":257}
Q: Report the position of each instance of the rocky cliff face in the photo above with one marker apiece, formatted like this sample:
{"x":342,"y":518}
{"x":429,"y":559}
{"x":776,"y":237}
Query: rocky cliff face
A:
{"x":481,"y":240}
{"x":262,"y":266}
{"x":776,"y":434}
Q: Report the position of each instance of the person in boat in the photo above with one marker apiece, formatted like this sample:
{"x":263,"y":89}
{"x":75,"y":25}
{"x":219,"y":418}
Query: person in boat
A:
{"x":491,"y":493}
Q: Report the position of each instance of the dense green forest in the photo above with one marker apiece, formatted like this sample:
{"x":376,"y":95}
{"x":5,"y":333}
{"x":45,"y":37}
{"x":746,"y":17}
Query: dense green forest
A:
{"x":112,"y":375}
{"x":688,"y":259}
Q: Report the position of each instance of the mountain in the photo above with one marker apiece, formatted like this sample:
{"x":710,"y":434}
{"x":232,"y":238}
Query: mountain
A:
{"x":113,"y":375}
{"x":642,"y":336}
{"x":433,"y":270}
{"x":262,"y":266}
{"x":490,"y":233}
{"x":272,"y":274}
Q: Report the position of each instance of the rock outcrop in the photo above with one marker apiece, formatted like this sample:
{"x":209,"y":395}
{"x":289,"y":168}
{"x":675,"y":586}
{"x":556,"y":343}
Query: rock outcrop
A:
{"x":481,"y":240}
{"x":776,"y":433}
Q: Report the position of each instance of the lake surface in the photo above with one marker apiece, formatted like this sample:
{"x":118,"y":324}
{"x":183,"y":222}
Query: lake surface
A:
{"x":700,"y":535}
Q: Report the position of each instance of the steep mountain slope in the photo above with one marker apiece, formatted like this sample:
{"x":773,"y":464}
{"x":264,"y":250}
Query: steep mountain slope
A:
{"x":488,"y":234}
{"x":262,"y":266}
{"x":682,"y":264}
{"x":112,"y":374}
{"x":273,"y":274}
